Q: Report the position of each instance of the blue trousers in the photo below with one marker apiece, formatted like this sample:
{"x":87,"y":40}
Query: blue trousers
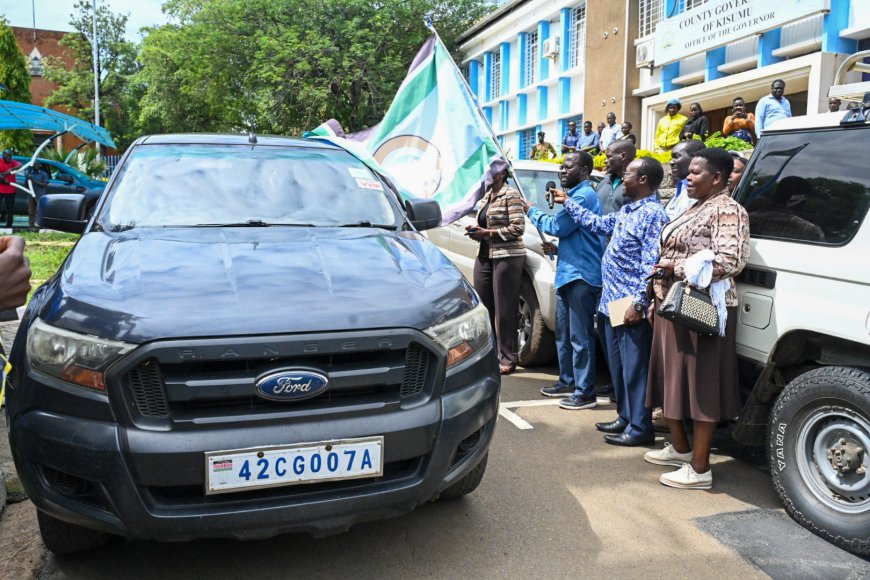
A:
{"x":627,"y":349}
{"x":576,"y":303}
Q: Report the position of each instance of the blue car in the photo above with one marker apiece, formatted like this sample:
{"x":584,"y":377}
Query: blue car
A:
{"x":250,"y":338}
{"x":64,"y":179}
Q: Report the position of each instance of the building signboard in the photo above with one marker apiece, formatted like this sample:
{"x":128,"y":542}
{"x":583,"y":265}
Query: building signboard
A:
{"x":720,"y":22}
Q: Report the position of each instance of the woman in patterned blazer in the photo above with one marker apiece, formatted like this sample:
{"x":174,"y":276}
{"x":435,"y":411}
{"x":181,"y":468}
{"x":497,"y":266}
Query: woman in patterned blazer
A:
{"x":498,"y":268}
{"x":693,"y":375}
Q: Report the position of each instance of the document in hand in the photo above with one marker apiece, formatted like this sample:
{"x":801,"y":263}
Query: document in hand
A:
{"x":617,"y":308}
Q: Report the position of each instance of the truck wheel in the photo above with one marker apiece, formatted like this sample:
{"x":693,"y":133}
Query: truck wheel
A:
{"x":62,"y":538}
{"x":468,"y":483}
{"x":819,"y":438}
{"x":535,"y":342}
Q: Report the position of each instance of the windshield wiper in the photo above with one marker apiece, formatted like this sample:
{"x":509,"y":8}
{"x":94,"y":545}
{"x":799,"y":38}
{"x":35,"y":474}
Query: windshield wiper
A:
{"x":256,"y":224}
{"x":366,"y":224}
{"x":247,"y":224}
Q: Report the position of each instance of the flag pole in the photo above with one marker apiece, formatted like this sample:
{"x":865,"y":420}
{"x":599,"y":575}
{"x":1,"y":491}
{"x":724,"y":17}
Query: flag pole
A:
{"x":495,"y":140}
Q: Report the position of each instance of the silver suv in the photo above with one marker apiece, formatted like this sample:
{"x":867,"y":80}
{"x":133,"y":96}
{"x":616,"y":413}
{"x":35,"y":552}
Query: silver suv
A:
{"x":537,"y":311}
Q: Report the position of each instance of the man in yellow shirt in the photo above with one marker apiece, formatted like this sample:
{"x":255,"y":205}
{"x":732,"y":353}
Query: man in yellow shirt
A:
{"x":670,"y":127}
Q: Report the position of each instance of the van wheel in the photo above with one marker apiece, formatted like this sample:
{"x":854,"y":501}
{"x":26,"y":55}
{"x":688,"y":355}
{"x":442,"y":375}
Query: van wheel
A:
{"x":468,"y":483}
{"x":62,"y":538}
{"x":819,"y":452}
{"x":536,"y":344}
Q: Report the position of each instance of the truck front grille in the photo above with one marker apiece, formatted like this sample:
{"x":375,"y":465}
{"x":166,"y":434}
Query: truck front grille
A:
{"x":213,"y":389}
{"x":146,"y":384}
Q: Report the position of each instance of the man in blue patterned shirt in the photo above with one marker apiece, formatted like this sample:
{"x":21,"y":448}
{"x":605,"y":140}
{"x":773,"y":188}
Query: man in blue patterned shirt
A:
{"x":628,"y":260}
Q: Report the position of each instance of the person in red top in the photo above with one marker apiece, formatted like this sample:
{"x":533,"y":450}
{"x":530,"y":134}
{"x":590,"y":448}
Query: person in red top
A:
{"x":7,"y":190}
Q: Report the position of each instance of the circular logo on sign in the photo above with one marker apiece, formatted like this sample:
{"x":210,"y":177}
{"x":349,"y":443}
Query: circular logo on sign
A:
{"x":414,"y":162}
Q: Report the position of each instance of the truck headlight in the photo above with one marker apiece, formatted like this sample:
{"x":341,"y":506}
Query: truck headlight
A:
{"x":76,"y":358}
{"x":463,"y":335}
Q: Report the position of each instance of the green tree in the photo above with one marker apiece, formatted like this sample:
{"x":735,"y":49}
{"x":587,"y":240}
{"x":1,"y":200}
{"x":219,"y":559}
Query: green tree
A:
{"x":16,"y":78}
{"x":285,"y":65}
{"x":116,"y":63}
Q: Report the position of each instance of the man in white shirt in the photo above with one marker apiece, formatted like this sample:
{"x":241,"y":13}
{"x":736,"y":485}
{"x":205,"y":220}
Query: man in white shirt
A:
{"x":772,"y":107}
{"x":681,"y":157}
{"x":611,"y":131}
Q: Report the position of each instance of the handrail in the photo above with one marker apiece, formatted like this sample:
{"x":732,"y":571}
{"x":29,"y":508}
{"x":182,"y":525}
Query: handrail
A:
{"x":852,"y":63}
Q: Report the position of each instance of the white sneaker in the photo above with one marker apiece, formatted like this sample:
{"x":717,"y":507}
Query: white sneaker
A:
{"x":667,"y":456}
{"x":687,"y":478}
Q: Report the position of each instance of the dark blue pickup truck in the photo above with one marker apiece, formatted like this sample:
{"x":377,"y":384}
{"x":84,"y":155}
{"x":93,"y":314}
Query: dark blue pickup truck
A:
{"x":251,"y":337}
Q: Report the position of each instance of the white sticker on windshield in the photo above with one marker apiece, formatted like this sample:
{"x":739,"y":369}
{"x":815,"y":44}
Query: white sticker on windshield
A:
{"x":359,"y":172}
{"x":369,"y":184}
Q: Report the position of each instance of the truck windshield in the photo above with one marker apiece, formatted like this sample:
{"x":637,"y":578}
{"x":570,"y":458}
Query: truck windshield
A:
{"x":226,"y":185}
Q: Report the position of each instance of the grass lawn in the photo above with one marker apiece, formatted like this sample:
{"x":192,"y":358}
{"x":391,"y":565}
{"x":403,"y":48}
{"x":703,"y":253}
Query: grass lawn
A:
{"x":46,"y":252}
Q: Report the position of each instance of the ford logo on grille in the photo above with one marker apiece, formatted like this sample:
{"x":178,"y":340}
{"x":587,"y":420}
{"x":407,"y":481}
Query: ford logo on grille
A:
{"x":291,"y":385}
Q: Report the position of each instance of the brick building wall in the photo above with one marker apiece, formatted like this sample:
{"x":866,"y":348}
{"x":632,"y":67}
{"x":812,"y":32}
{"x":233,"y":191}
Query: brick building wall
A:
{"x":41,"y":44}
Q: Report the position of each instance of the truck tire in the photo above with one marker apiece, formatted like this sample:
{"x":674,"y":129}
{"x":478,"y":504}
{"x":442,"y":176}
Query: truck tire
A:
{"x":468,"y":483}
{"x":62,"y":538}
{"x":819,"y":438}
{"x":536,"y":343}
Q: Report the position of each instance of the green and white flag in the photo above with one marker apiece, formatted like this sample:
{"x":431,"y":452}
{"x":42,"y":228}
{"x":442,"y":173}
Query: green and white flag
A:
{"x":433,"y":142}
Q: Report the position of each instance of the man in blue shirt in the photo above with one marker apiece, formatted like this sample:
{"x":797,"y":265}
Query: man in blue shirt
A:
{"x":628,"y":260}
{"x":578,"y":286}
{"x":772,"y":107}
{"x":589,"y":140}
{"x":569,"y":143}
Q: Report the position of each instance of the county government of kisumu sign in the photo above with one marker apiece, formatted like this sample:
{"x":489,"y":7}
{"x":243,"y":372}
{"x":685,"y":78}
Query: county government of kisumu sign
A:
{"x":720,"y":22}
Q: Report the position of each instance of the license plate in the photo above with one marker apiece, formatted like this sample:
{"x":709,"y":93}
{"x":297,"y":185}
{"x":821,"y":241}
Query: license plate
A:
{"x":260,"y":467}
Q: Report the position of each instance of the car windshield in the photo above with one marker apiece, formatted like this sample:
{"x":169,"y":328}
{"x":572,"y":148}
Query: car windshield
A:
{"x":227,"y":185}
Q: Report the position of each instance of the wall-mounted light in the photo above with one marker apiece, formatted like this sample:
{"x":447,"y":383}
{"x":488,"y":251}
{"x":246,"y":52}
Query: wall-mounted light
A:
{"x":612,"y":99}
{"x":605,"y":34}
{"x":615,"y":30}
{"x":603,"y":103}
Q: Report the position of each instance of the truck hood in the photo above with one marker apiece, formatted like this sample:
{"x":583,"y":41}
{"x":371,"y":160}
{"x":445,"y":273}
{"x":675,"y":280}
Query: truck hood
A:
{"x":153,"y":283}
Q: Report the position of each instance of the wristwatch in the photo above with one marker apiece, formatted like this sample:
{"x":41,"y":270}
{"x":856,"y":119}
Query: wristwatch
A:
{"x":637,"y":307}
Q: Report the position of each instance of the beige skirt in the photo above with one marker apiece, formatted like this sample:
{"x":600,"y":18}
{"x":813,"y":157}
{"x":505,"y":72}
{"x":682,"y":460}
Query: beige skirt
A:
{"x":694,"y":376}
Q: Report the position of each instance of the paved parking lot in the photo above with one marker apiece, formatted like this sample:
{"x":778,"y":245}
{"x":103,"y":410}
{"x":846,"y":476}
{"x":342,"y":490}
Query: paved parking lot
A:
{"x":556,"y":502}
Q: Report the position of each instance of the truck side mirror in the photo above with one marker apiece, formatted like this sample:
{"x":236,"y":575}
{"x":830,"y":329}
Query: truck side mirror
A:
{"x":63,"y":212}
{"x":424,"y":214}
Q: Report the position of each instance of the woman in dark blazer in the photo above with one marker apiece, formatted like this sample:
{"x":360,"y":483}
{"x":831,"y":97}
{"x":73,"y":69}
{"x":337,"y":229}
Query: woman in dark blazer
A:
{"x":498,"y":268}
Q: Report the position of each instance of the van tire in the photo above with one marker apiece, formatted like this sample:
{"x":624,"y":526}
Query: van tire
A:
{"x":816,"y":412}
{"x":63,"y":538}
{"x":468,"y":483}
{"x":536,"y":343}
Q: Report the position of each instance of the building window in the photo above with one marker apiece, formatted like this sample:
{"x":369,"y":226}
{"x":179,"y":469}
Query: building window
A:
{"x":495,"y":81}
{"x":531,"y":58}
{"x":576,"y":35}
{"x":651,"y":13}
{"x":527,"y":142}
{"x":690,"y":4}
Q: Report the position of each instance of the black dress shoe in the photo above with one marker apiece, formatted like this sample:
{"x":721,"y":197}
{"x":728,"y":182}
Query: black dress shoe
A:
{"x":629,"y":441}
{"x":617,"y":426}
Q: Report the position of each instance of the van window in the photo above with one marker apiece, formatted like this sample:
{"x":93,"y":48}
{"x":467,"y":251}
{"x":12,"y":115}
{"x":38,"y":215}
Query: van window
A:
{"x":811,"y":187}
